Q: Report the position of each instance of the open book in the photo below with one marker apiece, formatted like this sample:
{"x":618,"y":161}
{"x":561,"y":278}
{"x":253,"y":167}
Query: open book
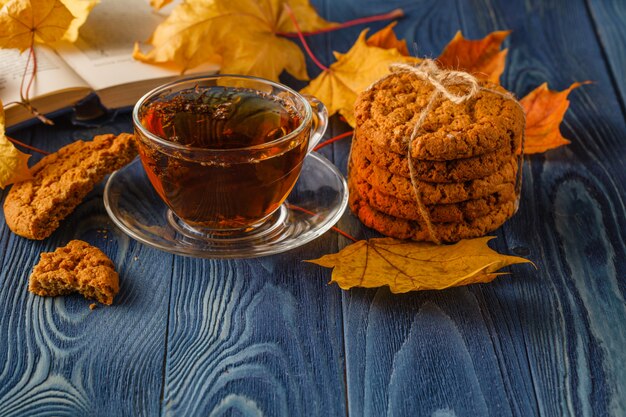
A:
{"x":100,"y":61}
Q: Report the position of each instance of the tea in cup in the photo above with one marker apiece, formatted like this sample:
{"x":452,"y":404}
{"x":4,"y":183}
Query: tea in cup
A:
{"x":223,"y":152}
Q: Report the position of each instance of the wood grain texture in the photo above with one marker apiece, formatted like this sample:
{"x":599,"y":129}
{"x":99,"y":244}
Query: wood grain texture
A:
{"x":420,"y":354}
{"x":257,"y":337}
{"x":609,"y":19}
{"x":59,"y":358}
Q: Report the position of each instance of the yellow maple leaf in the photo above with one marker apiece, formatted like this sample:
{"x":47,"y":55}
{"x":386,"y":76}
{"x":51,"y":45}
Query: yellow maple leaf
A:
{"x":545,"y":109}
{"x":352,"y":73}
{"x":411,"y":266}
{"x":184,"y":38}
{"x":80,"y":10}
{"x":13,"y":163}
{"x":269,"y":57}
{"x":482,"y":57}
{"x":243,"y":36}
{"x":23,"y":22}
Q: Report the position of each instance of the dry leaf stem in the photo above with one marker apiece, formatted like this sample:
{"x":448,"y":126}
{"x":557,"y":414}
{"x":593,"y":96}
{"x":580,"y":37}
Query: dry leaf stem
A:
{"x":394,"y":14}
{"x":25,"y":92}
{"x":334,"y":228}
{"x":23,"y":145}
{"x":301,"y":36}
{"x":333,"y":140}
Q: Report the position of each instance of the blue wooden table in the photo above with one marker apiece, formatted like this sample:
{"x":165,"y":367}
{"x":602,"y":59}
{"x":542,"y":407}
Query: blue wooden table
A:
{"x":270,"y":337}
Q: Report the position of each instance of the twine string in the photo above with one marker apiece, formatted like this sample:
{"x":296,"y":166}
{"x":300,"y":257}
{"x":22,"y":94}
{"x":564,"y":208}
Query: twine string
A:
{"x":441,"y":80}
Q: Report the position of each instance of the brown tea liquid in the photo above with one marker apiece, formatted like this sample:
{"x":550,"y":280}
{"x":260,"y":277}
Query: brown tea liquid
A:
{"x":233,"y":190}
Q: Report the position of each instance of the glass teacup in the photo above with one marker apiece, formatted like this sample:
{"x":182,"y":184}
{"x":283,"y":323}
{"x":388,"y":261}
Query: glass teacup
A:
{"x":223,"y":152}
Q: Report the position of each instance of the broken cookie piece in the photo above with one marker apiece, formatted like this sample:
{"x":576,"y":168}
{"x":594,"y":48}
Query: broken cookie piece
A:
{"x":34,"y":208}
{"x":77,"y":267}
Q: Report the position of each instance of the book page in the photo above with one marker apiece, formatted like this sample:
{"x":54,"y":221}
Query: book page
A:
{"x":53,"y":74}
{"x":103,"y":53}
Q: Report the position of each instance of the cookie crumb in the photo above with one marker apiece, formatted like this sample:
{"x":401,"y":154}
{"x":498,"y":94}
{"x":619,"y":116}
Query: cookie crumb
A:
{"x":93,"y":306}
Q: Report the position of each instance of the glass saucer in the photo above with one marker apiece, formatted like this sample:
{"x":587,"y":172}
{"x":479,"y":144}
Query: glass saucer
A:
{"x":316,"y":203}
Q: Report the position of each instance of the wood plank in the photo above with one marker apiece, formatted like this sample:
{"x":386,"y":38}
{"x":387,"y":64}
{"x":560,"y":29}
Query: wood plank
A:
{"x":566,"y":323}
{"x":57,"y":356}
{"x":257,"y":337}
{"x":420,"y":354}
{"x":609,"y":17}
{"x":532,"y":344}
{"x":261,"y":336}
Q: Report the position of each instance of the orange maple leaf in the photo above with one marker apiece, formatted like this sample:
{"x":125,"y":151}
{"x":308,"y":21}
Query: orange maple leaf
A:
{"x":545,"y":109}
{"x":482,"y":57}
{"x":387,"y":39}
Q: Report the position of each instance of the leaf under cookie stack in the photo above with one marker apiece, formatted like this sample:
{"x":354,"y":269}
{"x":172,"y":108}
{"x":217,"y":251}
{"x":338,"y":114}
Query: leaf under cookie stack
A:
{"x":413,"y":266}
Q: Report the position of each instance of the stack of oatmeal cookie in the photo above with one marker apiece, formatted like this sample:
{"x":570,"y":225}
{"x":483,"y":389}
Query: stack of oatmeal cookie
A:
{"x":464,"y":160}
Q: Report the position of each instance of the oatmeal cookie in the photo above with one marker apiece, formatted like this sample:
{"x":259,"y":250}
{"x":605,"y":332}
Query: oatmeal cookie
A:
{"x":446,"y":232}
{"x":34,"y":208}
{"x":77,"y":267}
{"x":387,"y":113}
{"x":439,"y":213}
{"x":454,"y":170}
{"x":432,"y":193}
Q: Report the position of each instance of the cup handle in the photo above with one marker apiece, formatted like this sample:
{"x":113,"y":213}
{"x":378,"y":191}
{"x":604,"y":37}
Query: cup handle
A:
{"x":320,"y":120}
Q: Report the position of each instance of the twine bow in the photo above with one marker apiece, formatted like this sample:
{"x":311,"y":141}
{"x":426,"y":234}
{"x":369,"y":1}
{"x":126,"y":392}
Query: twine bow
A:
{"x":441,"y":79}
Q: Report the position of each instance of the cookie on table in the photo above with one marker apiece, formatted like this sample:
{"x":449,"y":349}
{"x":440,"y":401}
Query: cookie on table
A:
{"x":439,"y":213}
{"x":455,"y":170}
{"x":432,"y":193}
{"x":76,"y":267}
{"x":34,"y":208}
{"x":445,"y":232}
{"x":387,"y":113}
